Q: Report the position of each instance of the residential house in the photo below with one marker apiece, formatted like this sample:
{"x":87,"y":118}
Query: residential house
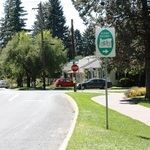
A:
{"x":89,"y":67}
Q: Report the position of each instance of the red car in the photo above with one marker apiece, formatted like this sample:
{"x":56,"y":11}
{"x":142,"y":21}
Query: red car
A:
{"x":63,"y":82}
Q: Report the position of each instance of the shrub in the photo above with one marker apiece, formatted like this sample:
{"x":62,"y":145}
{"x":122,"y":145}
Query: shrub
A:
{"x":142,"y":91}
{"x":135,"y":91}
{"x":126,"y":82}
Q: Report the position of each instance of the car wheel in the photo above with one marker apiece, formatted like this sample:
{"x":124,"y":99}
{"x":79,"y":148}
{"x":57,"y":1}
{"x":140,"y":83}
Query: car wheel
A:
{"x":82,"y":87}
{"x":102,"y":87}
{"x":79,"y":87}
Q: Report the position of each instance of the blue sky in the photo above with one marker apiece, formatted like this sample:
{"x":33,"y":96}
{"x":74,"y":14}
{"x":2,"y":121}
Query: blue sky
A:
{"x":69,"y":12}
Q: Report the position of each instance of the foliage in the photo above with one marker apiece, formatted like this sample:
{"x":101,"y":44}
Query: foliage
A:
{"x":90,"y":131}
{"x":55,"y":20}
{"x":88,"y":42}
{"x":22,"y":56}
{"x":13,"y":20}
{"x":131,"y":20}
{"x":52,"y":18}
{"x":122,"y":15}
{"x":126,"y":82}
{"x":78,"y":43}
{"x":135,"y":91}
{"x":55,"y":54}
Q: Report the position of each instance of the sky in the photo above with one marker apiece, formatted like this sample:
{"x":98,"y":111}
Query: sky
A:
{"x":68,"y":8}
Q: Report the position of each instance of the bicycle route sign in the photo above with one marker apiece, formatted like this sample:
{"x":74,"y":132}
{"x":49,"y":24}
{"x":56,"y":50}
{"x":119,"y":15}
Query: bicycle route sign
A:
{"x":105,"y":42}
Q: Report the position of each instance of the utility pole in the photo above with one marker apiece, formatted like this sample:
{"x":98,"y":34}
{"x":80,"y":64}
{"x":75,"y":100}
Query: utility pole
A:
{"x":73,"y":54}
{"x":72,"y":37}
{"x":42,"y":44}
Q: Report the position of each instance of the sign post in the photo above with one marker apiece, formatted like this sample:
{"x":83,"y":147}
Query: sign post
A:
{"x":74,"y":68}
{"x":105,"y":47}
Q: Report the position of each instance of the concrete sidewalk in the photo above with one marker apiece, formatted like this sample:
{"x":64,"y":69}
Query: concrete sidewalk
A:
{"x":117,"y":103}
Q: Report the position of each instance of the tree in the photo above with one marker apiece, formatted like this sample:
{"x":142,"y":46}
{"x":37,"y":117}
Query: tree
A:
{"x":78,"y":43}
{"x":54,"y":54}
{"x":125,"y":16}
{"x":88,"y":42}
{"x":53,"y":19}
{"x":13,"y":20}
{"x":22,"y":57}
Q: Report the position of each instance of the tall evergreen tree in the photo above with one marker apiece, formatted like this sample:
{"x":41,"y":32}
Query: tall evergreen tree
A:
{"x":78,"y":43}
{"x":88,"y":42}
{"x":56,"y":20}
{"x":13,"y":20}
{"x":53,"y":19}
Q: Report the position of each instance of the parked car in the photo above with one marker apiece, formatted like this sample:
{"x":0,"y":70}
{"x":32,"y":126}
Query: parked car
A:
{"x":4,"y":84}
{"x":63,"y":82}
{"x":93,"y":83}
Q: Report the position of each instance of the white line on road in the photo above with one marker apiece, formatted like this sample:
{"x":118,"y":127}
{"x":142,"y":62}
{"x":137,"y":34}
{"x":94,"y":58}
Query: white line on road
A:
{"x":13,"y":97}
{"x":36,"y":101}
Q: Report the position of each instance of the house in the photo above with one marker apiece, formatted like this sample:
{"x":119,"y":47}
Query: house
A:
{"x":89,"y":67}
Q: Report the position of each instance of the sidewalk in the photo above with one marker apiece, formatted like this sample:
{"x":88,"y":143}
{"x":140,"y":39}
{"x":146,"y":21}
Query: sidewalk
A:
{"x":117,"y":103}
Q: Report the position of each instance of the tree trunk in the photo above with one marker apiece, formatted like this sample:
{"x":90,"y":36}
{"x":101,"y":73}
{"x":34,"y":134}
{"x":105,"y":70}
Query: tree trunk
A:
{"x":141,"y":79}
{"x":33,"y":81}
{"x":20,"y":81}
{"x":146,"y":28}
{"x":28,"y":80}
{"x":147,"y":68}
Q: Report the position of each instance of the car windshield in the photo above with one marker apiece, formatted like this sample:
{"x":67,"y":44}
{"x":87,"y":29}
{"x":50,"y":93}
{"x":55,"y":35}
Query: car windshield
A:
{"x":3,"y":82}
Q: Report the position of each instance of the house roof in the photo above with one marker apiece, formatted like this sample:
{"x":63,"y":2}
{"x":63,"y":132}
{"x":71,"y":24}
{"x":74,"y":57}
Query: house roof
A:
{"x":85,"y":63}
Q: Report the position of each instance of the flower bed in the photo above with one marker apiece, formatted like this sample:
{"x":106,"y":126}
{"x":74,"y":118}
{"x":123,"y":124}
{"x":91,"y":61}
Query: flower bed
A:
{"x":135,"y":91}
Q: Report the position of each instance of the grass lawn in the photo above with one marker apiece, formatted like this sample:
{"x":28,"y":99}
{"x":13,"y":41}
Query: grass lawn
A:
{"x":90,"y":131}
{"x":144,"y":102}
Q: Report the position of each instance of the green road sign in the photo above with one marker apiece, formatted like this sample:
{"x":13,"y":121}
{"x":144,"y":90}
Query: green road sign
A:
{"x":74,"y":60}
{"x":105,"y":42}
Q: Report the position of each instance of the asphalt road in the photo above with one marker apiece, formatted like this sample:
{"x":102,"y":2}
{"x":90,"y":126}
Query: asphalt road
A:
{"x":33,"y":120}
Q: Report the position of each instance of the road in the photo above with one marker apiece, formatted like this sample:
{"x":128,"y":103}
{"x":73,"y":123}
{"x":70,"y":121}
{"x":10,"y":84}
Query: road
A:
{"x":33,"y":120}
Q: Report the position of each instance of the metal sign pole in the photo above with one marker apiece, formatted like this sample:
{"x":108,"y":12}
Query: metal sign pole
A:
{"x":105,"y":47}
{"x":106,"y":91}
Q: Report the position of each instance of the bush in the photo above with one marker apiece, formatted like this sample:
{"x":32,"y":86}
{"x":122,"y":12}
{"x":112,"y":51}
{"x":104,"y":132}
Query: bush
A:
{"x":126,"y":82}
{"x":135,"y":91}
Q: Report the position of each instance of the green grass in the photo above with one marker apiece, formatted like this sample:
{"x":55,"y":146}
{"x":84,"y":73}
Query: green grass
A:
{"x":145,"y":103}
{"x":90,"y":131}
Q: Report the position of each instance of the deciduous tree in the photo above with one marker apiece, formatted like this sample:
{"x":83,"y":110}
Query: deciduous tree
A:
{"x":131,"y":19}
{"x":22,"y":57}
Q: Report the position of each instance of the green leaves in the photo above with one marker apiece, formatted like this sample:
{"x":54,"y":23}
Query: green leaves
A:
{"x":13,"y":20}
{"x":55,"y":54}
{"x":22,"y":55}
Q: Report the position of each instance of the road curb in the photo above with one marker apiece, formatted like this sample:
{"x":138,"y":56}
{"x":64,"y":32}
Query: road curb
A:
{"x":75,"y":108}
